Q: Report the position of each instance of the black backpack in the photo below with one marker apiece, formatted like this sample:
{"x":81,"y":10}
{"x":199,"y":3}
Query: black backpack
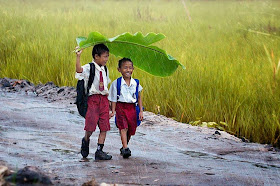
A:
{"x":82,"y":94}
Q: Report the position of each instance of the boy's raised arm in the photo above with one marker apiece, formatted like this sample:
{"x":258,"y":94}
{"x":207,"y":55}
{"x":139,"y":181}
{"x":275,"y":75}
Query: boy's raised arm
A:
{"x":79,"y":69}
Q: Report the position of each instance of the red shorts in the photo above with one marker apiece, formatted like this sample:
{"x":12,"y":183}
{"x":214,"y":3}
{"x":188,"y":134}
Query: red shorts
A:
{"x":97,"y":113}
{"x":126,"y":117}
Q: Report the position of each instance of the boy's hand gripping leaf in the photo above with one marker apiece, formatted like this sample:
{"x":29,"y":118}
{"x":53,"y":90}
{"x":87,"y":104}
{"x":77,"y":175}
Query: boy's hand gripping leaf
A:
{"x":138,"y":48}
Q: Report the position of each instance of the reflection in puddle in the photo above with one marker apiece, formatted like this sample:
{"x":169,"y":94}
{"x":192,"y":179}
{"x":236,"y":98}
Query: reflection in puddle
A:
{"x":64,"y":151}
{"x":194,"y":153}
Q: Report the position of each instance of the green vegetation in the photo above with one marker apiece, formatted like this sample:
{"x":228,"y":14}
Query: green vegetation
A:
{"x":138,"y":48}
{"x":231,"y":50}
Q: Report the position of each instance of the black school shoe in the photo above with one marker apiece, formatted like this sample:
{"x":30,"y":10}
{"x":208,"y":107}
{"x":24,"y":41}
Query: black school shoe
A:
{"x":85,"y":148}
{"x":100,"y":155}
{"x":125,"y":152}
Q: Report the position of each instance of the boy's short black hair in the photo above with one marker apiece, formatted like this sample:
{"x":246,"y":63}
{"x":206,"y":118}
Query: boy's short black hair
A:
{"x":99,"y":49}
{"x":121,"y":61}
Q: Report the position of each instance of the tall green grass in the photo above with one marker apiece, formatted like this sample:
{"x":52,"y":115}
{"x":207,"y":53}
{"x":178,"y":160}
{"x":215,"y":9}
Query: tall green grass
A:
{"x":231,"y":71}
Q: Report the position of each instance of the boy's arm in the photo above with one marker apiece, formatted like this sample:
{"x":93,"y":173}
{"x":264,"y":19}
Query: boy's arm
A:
{"x":113,"y":104}
{"x":140,"y":106}
{"x":79,"y":69}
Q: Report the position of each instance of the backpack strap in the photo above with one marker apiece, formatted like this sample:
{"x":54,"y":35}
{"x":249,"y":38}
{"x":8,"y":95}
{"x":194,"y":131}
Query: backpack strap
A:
{"x":105,"y":67}
{"x":119,"y":81}
{"x":137,"y":88}
{"x":91,"y":76}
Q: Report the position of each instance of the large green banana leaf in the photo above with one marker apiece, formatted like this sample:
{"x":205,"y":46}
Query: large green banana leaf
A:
{"x":138,"y":48}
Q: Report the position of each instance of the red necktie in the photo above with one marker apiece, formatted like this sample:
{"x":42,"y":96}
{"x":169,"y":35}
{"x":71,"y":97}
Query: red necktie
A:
{"x":101,"y":83}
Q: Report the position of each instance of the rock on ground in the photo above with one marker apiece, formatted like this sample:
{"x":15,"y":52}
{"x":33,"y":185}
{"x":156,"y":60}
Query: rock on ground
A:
{"x":29,"y":175}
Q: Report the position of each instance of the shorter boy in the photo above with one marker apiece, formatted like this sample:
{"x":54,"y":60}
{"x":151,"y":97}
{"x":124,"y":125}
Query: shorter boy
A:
{"x":124,"y":104}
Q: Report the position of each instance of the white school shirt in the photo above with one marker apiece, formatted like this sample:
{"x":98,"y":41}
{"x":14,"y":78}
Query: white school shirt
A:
{"x":95,"y":85}
{"x":127,"y":93}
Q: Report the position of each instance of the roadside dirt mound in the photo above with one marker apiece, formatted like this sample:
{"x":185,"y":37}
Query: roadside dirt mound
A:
{"x":49,"y":90}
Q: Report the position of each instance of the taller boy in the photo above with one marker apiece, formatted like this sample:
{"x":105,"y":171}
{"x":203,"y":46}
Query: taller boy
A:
{"x":98,"y":104}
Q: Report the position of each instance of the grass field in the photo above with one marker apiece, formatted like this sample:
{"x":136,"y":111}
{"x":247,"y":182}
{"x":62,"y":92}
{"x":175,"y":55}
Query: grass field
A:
{"x":231,"y":50}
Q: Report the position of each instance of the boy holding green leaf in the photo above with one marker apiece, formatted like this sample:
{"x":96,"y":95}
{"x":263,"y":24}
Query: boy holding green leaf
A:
{"x":98,"y":104}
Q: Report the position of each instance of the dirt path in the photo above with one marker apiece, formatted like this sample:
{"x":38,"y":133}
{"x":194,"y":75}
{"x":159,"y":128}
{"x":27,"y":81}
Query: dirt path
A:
{"x":164,"y":152}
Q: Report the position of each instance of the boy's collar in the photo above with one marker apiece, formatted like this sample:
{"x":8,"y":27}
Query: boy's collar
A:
{"x":97,"y":66}
{"x":132,"y":82}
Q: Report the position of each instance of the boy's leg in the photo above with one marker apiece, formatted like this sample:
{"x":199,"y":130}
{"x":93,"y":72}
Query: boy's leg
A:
{"x":104,"y":126}
{"x":90,"y":123}
{"x":102,"y":137}
{"x":101,"y":140}
{"x":125,"y":151}
{"x":122,"y":123}
{"x":99,"y":154}
{"x":123,"y":118}
{"x":128,"y":136}
{"x":123,"y":133}
{"x":131,"y":129}
{"x":85,"y":144}
{"x":87,"y":135}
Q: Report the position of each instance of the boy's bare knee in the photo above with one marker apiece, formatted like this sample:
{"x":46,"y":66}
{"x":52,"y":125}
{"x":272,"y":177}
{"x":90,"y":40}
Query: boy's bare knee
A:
{"x":102,"y":135}
{"x":88,"y":134}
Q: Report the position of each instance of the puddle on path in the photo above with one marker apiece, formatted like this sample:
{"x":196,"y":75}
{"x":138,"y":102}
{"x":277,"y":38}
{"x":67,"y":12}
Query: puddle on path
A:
{"x":65,"y":151}
{"x":194,"y":154}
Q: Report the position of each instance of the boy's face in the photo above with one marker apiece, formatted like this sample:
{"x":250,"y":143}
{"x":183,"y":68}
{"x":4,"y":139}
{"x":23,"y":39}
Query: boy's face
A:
{"x":102,"y":59}
{"x":126,"y":69}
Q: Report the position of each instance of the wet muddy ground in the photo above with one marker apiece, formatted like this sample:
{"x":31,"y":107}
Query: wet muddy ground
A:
{"x":35,"y":131}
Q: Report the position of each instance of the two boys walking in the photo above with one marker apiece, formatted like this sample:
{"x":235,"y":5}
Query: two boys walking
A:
{"x":122,"y":105}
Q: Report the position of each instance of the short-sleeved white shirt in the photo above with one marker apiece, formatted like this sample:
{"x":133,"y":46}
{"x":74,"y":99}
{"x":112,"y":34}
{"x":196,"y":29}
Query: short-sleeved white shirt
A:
{"x":127,"y":93}
{"x":95,"y":85}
